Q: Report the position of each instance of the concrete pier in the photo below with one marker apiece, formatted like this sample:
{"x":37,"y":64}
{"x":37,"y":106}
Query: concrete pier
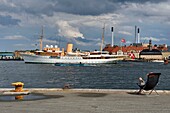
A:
{"x":89,"y":101}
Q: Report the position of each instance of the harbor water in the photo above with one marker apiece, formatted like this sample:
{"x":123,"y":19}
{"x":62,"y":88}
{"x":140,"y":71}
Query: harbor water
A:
{"x":123,"y":75}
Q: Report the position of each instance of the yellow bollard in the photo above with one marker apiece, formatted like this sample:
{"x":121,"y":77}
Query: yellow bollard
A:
{"x":18,"y":86}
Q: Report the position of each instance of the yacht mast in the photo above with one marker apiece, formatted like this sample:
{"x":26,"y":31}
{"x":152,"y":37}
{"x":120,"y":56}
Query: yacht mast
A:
{"x":41,"y":37}
{"x":102,"y":38}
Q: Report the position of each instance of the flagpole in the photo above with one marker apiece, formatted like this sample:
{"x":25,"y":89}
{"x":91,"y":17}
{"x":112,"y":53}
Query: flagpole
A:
{"x":121,"y":46}
{"x":122,"y":41}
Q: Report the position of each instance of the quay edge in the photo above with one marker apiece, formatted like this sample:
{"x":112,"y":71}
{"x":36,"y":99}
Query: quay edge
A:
{"x":119,"y":91}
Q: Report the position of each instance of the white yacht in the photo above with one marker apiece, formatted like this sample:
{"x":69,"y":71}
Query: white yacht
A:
{"x":95,"y":57}
{"x":52,"y":54}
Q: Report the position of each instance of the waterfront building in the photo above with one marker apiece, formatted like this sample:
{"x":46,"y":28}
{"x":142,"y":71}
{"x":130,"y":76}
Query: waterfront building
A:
{"x":136,"y":49}
{"x":153,"y":54}
{"x":10,"y":55}
{"x":6,"y":55}
{"x":150,"y":53}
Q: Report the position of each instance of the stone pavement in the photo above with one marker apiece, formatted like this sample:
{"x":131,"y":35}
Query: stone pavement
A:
{"x":88,"y":101}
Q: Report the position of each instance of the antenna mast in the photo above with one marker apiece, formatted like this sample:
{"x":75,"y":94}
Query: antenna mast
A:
{"x":102,"y":38}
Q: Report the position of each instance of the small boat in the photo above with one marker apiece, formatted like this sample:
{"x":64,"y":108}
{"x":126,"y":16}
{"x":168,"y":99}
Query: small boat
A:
{"x":166,"y":61}
{"x":161,"y":61}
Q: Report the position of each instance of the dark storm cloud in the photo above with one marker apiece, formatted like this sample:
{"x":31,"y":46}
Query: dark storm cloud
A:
{"x":85,"y":7}
{"x":77,"y":7}
{"x":8,"y":20}
{"x":94,"y":7}
{"x":137,"y":1}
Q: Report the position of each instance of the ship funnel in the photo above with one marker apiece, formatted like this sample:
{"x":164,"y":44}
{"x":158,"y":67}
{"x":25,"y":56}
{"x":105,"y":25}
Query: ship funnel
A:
{"x":69,"y":47}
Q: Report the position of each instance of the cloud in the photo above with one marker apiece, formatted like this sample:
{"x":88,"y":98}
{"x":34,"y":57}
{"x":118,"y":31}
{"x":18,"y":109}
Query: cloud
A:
{"x":85,"y":7}
{"x":146,"y":11}
{"x":85,"y":41}
{"x":129,"y":42}
{"x":153,"y":39}
{"x":137,"y":1}
{"x":125,"y":33}
{"x":77,"y":7}
{"x":68,"y":31}
{"x":85,"y":18}
{"x":49,"y":41}
{"x":19,"y":45}
{"x":88,"y":7}
{"x":8,"y":20}
{"x":82,"y":43}
{"x":15,"y":37}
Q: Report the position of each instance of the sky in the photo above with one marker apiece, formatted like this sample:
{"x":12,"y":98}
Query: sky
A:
{"x":81,"y":22}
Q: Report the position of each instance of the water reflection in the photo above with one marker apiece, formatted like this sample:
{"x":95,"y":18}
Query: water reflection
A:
{"x":30,"y":97}
{"x":19,"y":97}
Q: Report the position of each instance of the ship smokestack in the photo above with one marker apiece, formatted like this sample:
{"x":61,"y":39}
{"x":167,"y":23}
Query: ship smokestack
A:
{"x":138,"y":39}
{"x":112,"y":30}
{"x":69,"y":47}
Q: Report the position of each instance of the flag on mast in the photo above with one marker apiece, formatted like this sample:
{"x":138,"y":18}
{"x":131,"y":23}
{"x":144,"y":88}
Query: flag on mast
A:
{"x":123,"y":40}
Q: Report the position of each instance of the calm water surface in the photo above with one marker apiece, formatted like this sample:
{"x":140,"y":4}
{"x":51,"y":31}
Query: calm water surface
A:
{"x":123,"y":75}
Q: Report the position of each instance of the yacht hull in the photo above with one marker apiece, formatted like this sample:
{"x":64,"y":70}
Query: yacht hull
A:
{"x":70,"y":60}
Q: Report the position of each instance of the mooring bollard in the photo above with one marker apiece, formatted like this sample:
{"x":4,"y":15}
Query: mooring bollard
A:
{"x":18,"y":86}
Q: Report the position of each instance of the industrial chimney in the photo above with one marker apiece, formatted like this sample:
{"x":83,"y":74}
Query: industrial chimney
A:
{"x":138,"y":39}
{"x":112,"y":30}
